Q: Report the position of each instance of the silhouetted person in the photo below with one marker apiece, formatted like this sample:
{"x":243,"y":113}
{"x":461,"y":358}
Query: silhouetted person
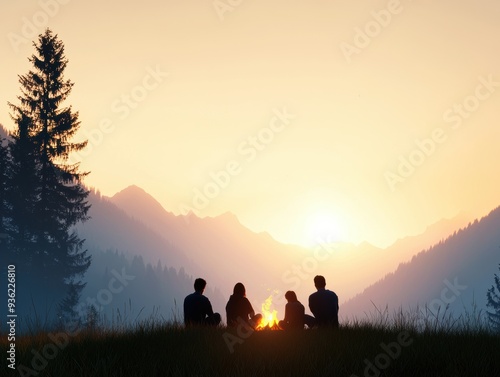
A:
{"x":238,"y":306}
{"x":198,"y":309}
{"x":324,"y":305}
{"x":294,"y":313}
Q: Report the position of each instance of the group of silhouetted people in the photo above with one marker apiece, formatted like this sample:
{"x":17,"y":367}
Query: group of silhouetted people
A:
{"x":324,"y":305}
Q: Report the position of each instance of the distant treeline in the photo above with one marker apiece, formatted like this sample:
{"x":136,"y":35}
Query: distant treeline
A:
{"x":124,"y":290}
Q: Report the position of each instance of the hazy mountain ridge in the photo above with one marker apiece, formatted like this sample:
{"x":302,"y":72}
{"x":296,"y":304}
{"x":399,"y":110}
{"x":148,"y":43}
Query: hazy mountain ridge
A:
{"x":138,"y":204}
{"x":351,"y":268}
{"x":220,"y":248}
{"x":111,"y":228}
{"x":161,"y":272}
{"x":132,"y":230}
{"x":224,"y":251}
{"x":468,"y":258}
{"x":379,"y":262}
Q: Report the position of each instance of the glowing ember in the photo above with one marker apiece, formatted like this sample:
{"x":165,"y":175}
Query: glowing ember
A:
{"x":269,"y":317}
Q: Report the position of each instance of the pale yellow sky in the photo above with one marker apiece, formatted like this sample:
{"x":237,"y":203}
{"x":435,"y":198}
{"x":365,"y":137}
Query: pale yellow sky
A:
{"x":293,"y":115}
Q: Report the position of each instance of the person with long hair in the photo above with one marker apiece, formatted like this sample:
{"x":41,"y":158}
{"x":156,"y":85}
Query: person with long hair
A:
{"x":239,"y":308}
{"x":294,"y":313}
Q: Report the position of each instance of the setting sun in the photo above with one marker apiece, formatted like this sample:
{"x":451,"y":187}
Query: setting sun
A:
{"x":324,"y":226}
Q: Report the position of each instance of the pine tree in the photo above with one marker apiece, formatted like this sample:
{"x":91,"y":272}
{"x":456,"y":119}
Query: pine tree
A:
{"x":494,"y":303}
{"x":53,"y":198}
{"x":21,"y":192}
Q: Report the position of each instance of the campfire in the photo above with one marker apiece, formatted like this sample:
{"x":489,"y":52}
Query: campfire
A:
{"x":269,"y":317}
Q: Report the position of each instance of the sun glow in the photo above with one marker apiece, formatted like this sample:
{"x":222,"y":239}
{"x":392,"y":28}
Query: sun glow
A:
{"x":324,"y":226}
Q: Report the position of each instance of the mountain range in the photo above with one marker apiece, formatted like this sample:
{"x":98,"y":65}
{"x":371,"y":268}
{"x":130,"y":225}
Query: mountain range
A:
{"x":219,"y":249}
{"x":223,"y":251}
{"x":451,"y":276}
{"x":132,"y":230}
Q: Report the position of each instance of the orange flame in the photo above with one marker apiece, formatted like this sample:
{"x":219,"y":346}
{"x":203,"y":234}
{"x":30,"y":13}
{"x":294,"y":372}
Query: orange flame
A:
{"x":269,"y":317}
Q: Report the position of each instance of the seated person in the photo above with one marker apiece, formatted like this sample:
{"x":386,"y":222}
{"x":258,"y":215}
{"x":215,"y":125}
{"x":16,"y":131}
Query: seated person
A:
{"x":198,"y":309}
{"x":238,"y":307}
{"x":294,"y":313}
{"x":324,"y":305}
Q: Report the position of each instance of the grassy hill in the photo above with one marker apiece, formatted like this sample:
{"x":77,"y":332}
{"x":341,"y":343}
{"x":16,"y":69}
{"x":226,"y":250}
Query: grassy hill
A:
{"x":354,"y":350}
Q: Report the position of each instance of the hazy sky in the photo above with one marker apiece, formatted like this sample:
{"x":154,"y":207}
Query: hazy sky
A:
{"x":364,"y":120}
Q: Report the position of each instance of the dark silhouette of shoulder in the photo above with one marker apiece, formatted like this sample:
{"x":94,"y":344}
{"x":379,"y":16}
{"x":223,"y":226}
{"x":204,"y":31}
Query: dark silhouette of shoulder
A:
{"x":197,"y":307}
{"x":324,"y":304}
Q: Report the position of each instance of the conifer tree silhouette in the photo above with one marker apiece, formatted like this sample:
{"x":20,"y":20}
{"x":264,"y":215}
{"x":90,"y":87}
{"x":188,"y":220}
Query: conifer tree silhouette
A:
{"x":493,"y":296}
{"x":47,"y":196}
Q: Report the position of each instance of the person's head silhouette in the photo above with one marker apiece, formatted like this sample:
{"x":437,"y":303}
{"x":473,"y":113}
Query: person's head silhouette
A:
{"x":199,"y":285}
{"x":291,"y":296}
{"x":319,"y":282}
{"x":239,"y":290}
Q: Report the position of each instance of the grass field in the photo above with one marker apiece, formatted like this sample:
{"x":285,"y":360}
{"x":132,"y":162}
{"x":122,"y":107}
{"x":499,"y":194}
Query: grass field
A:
{"x":360,"y":349}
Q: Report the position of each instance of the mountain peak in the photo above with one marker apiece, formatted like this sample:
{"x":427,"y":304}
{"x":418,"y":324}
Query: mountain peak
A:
{"x":137,"y":199}
{"x":136,"y":193}
{"x":228,"y":216}
{"x":131,"y":190}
